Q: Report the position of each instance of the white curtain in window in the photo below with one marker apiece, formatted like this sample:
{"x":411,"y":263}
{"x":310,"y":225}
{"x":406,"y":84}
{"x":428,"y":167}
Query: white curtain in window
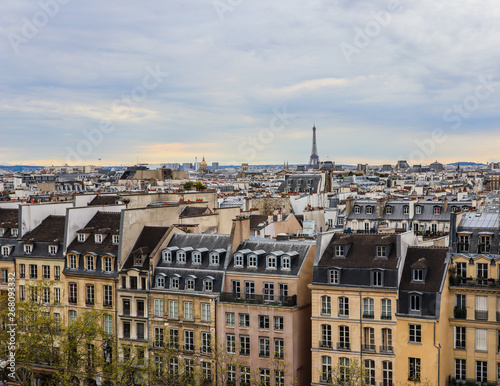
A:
{"x":481,"y":303}
{"x":481,"y":339}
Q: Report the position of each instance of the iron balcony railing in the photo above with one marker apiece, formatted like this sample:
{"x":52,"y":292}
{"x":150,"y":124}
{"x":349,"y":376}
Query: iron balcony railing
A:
{"x":281,"y":300}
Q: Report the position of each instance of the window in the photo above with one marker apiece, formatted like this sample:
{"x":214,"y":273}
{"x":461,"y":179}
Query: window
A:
{"x":357,"y":210}
{"x":368,"y":338}
{"x":285,"y":262}
{"x":140,"y":308}
{"x":33,"y":271}
{"x":22,"y":271}
{"x":90,"y":295}
{"x":463,"y":243}
{"x":28,"y":248}
{"x":418,"y":209}
{"x":173,"y":338}
{"x":344,"y":369}
{"x":333,"y":276}
{"x":264,"y":322}
{"x":138,"y":260}
{"x":72,"y":261}
{"x":72,"y":316}
{"x":481,"y":308}
{"x":230,"y":343}
{"x":437,"y":210}
{"x":343,"y":306}
{"x":98,"y":238}
{"x":188,"y":310}
{"x":238,"y":260}
{"x":57,"y":273}
{"x":188,"y":340}
{"x":460,"y":369}
{"x":244,"y":320}
{"x":158,"y":342}
{"x":278,"y":323}
{"x":344,"y":343}
{"x":230,"y":320}
{"x":252,"y":261}
{"x":196,"y":257}
{"x":126,"y":306}
{"x":167,"y":256}
{"x":72,"y":293}
{"x":231,"y":375}
{"x":81,"y":237}
{"x":188,"y":368}
{"x":173,"y":366}
{"x":279,"y":377}
{"x":326,"y":305}
{"x":245,"y":376}
{"x":481,"y":371}
{"x":206,"y":341}
{"x":369,"y":209}
{"x":126,"y":330}
{"x":160,"y":281}
{"x":482,"y":270}
{"x":245,"y":344}
{"x":89,"y":262}
{"x":205,"y":312}
{"x":326,"y":336}
{"x":46,"y":295}
{"x":339,"y":250}
{"x":386,"y":340}
{"x":235,"y":288}
{"x":381,"y":251}
{"x":414,"y":369}
{"x":414,"y":303}
{"x":5,"y":251}
{"x":214,"y":258}
{"x":406,"y":209}
{"x":4,"y":276}
{"x":386,"y":373}
{"x":57,"y":295}
{"x":268,"y":291}
{"x":386,"y":309}
{"x":22,"y":293}
{"x":108,"y":296}
{"x":174,"y":282}
{"x":279,"y":348}
{"x":415,"y":333}
{"x":418,"y":275}
{"x":173,"y":309}
{"x":484,"y":244}
{"x":481,"y":339}
{"x":368,"y":306}
{"x":461,"y":270}
{"x":264,"y":347}
{"x":52,"y":249}
{"x":370,"y":372}
{"x":181,"y":257}
{"x":208,"y":285}
{"x":377,"y":277}
{"x":326,"y":369}
{"x":115,"y":239}
{"x":158,"y":366}
{"x":249,"y":289}
{"x":158,"y":307}
{"x":271,"y":261}
{"x":459,"y":333}
{"x":108,"y":324}
{"x":388,"y":210}
{"x":265,"y":377}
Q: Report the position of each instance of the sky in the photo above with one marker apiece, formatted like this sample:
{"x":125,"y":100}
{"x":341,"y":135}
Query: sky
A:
{"x":116,"y":82}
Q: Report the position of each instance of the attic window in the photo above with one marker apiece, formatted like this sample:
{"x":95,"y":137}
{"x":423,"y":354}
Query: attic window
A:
{"x":81,"y":237}
{"x":174,"y":282}
{"x":138,"y":260}
{"x":252,"y":261}
{"x":333,"y":277}
{"x":5,"y":251}
{"x":271,"y":261}
{"x":167,"y":256}
{"x":381,"y":251}
{"x":52,"y":249}
{"x":369,"y":210}
{"x":190,"y":283}
{"x":214,"y":258}
{"x":418,"y":209}
{"x":418,"y":275}
{"x":388,"y":210}
{"x":377,"y":278}
{"x":437,"y":210}
{"x":28,"y":248}
{"x":285,"y":262}
{"x":406,"y":209}
{"x":238,"y":260}
{"x":339,"y":250}
{"x":357,"y":210}
{"x":13,"y":231}
{"x":181,"y":257}
{"x":208,"y":285}
{"x":116,"y":239}
{"x":196,"y":257}
{"x":98,"y":238}
{"x":160,"y":281}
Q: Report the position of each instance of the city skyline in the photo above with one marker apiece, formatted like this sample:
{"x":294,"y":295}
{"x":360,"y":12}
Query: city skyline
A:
{"x":246,"y":81}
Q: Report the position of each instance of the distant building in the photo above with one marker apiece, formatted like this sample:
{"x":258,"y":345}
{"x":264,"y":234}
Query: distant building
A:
{"x":436,"y":166}
{"x":244,"y":167}
{"x":402,"y":164}
{"x":203,"y":166}
{"x":187,"y":166}
{"x":215,"y":166}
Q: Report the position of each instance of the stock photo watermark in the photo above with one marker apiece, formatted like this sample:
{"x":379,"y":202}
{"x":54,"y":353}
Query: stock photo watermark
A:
{"x":222,"y":7}
{"x":31,"y":26}
{"x":370,"y":31}
{"x":10,"y":362}
{"x":122,"y":106}
{"x":454,"y":116}
{"x":253,"y":144}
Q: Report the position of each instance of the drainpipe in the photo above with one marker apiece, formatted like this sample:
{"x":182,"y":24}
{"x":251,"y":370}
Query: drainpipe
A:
{"x":360,"y":331}
{"x":439,"y":353}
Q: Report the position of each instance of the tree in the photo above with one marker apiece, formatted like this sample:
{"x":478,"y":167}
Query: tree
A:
{"x":199,"y":186}
{"x":188,"y":185}
{"x":346,"y":373}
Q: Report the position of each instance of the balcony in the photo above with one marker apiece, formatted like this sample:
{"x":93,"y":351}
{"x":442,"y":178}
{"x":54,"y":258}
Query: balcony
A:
{"x":481,"y":315}
{"x":469,"y":381}
{"x":89,"y":302}
{"x":272,"y":300}
{"x":72,"y":300}
{"x":474,"y":282}
{"x":107,"y":303}
{"x":386,"y":349}
{"x":386,"y":317}
{"x":368,"y":315}
{"x":368,"y":347}
{"x":325,"y":344}
{"x":459,"y":345}
{"x":460,"y":313}
{"x":343,"y":346}
{"x":205,"y":350}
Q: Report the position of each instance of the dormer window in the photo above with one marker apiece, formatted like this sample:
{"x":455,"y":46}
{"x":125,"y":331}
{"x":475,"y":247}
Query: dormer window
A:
{"x":167,"y":256}
{"x":369,"y":210}
{"x":115,"y":239}
{"x":28,"y":248}
{"x":406,"y":209}
{"x":484,"y":244}
{"x":333,"y":276}
{"x":5,"y":251}
{"x":72,"y":261}
{"x":98,"y":238}
{"x":238,"y":260}
{"x":107,"y":264}
{"x":381,"y":251}
{"x":52,"y":249}
{"x":181,"y":257}
{"x":13,"y":231}
{"x":418,"y":275}
{"x":174,"y":282}
{"x":196,"y":257}
{"x":89,"y":262}
{"x":208,"y":285}
{"x":357,"y":210}
{"x":339,"y":250}
{"x":160,"y":281}
{"x":285,"y":262}
{"x":81,"y":237}
{"x":463,"y":243}
{"x":377,"y":278}
{"x":388,"y":210}
{"x":214,"y":258}
{"x":415,"y":303}
{"x":418,"y":209}
{"x":138,"y":260}
{"x":271,"y":261}
{"x":437,"y":210}
{"x":190,"y":283}
{"x":252,"y":261}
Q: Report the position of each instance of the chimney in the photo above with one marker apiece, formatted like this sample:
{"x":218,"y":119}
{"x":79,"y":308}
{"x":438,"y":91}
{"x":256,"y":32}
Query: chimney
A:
{"x":380,"y":208}
{"x":445,"y":204}
{"x":349,"y":204}
{"x":240,"y":232}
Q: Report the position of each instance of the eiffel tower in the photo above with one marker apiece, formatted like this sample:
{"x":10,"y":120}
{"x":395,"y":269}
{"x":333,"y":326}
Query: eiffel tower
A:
{"x":314,"y":159}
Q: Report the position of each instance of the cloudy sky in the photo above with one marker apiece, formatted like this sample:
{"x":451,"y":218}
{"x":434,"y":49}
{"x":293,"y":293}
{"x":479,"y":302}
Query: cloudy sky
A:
{"x":245,"y":80}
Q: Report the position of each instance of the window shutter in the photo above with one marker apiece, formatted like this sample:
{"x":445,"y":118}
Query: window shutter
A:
{"x":481,"y":303}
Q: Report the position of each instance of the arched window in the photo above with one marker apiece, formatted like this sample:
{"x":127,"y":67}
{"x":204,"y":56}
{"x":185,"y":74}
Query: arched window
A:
{"x":160,"y":281}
